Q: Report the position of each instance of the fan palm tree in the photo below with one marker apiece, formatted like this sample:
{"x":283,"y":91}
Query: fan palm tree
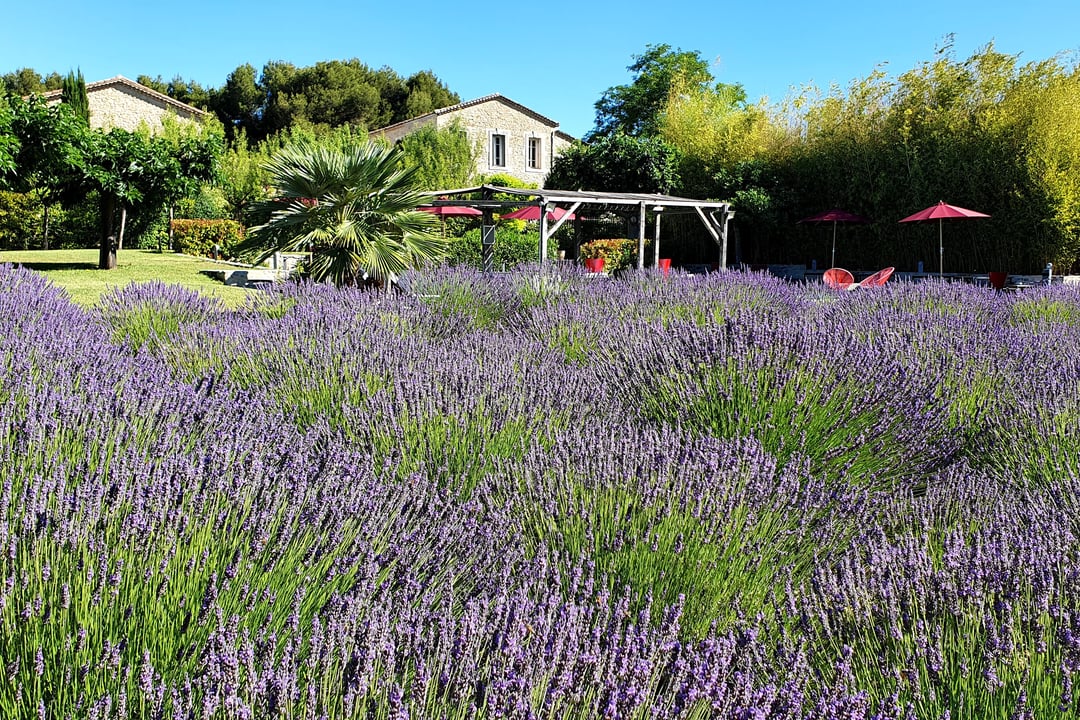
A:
{"x":353,"y":208}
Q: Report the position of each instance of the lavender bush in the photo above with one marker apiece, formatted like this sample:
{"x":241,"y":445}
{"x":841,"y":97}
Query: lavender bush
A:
{"x":540,"y":495}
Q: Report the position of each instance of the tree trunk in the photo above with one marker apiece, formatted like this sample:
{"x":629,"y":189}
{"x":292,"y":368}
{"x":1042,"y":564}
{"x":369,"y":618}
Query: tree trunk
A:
{"x":107,"y":253}
{"x":170,"y":227}
{"x":45,"y":227}
{"x":123,"y":223}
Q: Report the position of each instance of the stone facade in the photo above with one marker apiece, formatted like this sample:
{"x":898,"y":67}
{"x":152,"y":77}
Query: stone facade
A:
{"x":511,"y":138}
{"x":122,"y":103}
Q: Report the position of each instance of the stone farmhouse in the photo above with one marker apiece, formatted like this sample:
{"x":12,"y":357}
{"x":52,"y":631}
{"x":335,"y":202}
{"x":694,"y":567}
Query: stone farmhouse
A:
{"x":122,"y":103}
{"x":513,"y":139}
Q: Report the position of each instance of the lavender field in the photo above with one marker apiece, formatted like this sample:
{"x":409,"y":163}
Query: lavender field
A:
{"x":541,"y":496}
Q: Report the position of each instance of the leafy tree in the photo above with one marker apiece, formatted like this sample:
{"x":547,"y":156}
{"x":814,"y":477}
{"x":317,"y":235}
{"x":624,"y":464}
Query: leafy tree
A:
{"x":26,"y":81}
{"x":442,"y":158}
{"x":617,"y":163}
{"x":124,"y":168}
{"x":239,"y":103}
{"x":49,"y":159}
{"x":328,"y":93}
{"x":9,"y":143}
{"x":426,"y":93}
{"x":354,"y":209}
{"x":185,"y":91}
{"x":714,"y":125}
{"x":635,"y":109}
{"x":243,"y":175}
{"x":73,"y":94}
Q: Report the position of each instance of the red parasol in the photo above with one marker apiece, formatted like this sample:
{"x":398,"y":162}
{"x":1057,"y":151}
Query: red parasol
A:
{"x":835,"y":216}
{"x":940,"y":212}
{"x":532,"y":212}
{"x":450,"y":210}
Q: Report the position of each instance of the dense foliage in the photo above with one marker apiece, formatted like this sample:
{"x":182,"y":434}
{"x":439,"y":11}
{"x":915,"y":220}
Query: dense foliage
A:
{"x":637,"y":108}
{"x":73,"y":94}
{"x":986,"y":133}
{"x":541,"y":496}
{"x":515,"y":244}
{"x":617,"y":163}
{"x":329,"y":93}
{"x":441,"y":158}
{"x":61,"y":160}
{"x":207,"y":238}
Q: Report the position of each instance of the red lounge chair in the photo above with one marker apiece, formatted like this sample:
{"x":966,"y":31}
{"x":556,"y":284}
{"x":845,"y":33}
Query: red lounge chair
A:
{"x":877,"y":279}
{"x":838,"y":279}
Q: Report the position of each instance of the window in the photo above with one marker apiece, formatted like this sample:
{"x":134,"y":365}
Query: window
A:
{"x":534,"y":153}
{"x":498,"y":150}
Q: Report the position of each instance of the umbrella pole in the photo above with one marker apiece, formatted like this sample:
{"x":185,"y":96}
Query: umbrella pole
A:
{"x":833,"y":261}
{"x":941,"y":251}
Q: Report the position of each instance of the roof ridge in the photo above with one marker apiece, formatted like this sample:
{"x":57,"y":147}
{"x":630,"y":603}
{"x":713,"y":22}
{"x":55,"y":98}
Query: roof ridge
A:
{"x":121,"y":80}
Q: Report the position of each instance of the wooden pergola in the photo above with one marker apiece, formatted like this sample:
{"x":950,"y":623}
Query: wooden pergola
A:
{"x":715,"y":215}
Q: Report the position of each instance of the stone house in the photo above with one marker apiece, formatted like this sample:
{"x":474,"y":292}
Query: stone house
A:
{"x":122,"y":103}
{"x":513,"y":140}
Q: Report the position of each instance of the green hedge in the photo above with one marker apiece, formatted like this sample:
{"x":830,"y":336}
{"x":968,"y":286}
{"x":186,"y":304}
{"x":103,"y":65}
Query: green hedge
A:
{"x":198,"y":237}
{"x":512,"y":248}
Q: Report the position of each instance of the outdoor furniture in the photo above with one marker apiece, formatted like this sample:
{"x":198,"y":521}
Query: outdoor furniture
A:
{"x":877,"y":279}
{"x":838,"y":279}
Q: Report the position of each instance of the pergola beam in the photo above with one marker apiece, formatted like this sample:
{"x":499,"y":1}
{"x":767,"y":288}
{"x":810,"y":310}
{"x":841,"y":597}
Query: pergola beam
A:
{"x":544,"y":198}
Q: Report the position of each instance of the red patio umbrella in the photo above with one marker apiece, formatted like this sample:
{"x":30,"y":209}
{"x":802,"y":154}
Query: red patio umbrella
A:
{"x":835,"y":216}
{"x":450,"y":210}
{"x":445,"y":211}
{"x":532,"y":212}
{"x":940,"y":212}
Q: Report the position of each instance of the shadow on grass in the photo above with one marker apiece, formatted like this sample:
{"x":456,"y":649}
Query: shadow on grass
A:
{"x":47,"y":266}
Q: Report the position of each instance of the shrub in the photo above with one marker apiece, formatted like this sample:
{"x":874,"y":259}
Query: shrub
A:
{"x":618,"y":253}
{"x":512,"y":248}
{"x":198,"y":237}
{"x":20,"y":220}
{"x":208,"y":203}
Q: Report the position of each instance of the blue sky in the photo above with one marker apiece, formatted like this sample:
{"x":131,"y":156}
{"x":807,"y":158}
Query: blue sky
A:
{"x":555,"y":57}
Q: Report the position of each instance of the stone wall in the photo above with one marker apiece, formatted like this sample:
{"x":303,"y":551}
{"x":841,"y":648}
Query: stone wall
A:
{"x":483,"y":120}
{"x":120,"y":106}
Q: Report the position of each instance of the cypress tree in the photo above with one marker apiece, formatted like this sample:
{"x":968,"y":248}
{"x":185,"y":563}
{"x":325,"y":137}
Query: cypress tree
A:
{"x":73,"y":92}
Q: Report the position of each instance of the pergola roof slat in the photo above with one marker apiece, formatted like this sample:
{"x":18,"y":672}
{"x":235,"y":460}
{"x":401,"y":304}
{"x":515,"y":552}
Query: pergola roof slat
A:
{"x":705,"y":209}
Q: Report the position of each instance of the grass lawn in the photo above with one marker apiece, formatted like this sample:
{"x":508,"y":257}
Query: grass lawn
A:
{"x":76,"y":271}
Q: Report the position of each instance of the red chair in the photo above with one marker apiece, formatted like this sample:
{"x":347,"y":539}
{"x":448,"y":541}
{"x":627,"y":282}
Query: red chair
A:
{"x":877,"y":279}
{"x":838,"y":279}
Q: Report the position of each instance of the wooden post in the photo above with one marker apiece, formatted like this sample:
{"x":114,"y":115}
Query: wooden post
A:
{"x":543,"y":233}
{"x":487,"y":242}
{"x":656,"y":235}
{"x":641,"y":237}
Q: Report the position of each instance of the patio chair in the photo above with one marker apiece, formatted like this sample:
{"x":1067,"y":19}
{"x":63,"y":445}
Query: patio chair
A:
{"x":838,"y":279}
{"x":877,"y":279}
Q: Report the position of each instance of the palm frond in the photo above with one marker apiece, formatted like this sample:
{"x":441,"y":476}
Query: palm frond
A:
{"x":353,"y":208}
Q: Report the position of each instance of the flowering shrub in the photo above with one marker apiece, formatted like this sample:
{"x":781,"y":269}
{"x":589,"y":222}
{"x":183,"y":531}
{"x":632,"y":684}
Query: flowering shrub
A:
{"x":618,"y":253}
{"x":718,"y":496}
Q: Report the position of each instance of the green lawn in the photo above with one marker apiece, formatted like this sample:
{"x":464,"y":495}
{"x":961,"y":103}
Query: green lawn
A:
{"x":76,"y":272}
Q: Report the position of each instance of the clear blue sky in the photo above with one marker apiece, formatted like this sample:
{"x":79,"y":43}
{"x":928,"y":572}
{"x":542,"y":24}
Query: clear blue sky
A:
{"x":555,"y":57}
